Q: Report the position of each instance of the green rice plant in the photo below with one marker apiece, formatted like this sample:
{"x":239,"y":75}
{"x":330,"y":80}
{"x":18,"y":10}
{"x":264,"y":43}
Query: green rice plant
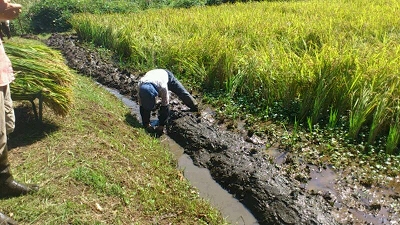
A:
{"x":39,"y":68}
{"x":362,"y":107}
{"x":393,"y":137}
{"x":379,"y":119}
{"x":310,"y":124}
{"x":235,"y":83}
{"x":327,"y":86}
{"x":333,"y":118}
{"x":296,"y":126}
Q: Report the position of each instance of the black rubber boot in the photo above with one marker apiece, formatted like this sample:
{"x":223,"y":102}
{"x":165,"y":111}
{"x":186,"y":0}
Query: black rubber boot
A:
{"x":5,"y":220}
{"x":145,"y":114}
{"x":8,"y":186}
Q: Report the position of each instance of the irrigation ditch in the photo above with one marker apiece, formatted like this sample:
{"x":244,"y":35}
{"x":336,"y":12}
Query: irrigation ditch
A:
{"x":243,"y":165}
{"x":231,"y":209}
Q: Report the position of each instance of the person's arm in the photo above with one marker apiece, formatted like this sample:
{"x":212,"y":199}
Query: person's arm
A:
{"x":164,"y":95}
{"x":164,"y":109}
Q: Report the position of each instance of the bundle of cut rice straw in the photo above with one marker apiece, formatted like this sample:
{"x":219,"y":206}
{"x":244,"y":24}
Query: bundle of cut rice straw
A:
{"x":38,"y":67}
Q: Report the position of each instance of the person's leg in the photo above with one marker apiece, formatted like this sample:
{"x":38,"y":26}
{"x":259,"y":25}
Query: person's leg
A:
{"x":8,"y":186}
{"x":176,"y":87}
{"x":5,"y":29}
{"x":163,"y":115}
{"x":3,"y":130}
{"x":9,"y":111}
{"x":1,"y":35}
{"x":145,"y":114}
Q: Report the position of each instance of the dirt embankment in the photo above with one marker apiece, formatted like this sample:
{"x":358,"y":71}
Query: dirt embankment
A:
{"x":237,"y":164}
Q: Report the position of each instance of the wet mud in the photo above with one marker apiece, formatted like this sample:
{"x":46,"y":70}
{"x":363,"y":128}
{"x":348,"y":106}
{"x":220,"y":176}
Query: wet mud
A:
{"x":258,"y":177}
{"x":243,"y":169}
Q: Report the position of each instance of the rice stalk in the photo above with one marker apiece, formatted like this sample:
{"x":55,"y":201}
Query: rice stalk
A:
{"x":393,"y":138}
{"x":379,"y":119}
{"x":362,"y":106}
{"x":39,"y":68}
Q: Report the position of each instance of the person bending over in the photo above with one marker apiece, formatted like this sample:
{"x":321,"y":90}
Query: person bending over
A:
{"x":158,"y":82}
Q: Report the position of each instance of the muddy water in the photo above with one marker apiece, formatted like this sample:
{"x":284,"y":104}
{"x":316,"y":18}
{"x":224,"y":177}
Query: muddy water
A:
{"x":323,"y":180}
{"x":234,"y":212}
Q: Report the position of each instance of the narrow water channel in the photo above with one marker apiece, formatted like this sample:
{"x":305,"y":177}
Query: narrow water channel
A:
{"x":200,"y":178}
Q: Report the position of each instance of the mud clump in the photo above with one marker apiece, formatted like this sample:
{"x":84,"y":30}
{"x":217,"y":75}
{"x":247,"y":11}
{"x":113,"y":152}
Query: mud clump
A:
{"x":92,"y":64}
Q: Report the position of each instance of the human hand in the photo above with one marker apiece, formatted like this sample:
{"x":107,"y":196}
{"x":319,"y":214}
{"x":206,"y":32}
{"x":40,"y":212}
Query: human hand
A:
{"x":195,"y":108}
{"x":9,"y":11}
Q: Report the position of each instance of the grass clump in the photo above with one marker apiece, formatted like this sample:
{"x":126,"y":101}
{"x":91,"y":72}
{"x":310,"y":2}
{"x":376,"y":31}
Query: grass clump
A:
{"x":95,"y":165}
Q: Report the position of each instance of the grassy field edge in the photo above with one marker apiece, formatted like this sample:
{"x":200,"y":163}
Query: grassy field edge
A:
{"x":97,"y":166}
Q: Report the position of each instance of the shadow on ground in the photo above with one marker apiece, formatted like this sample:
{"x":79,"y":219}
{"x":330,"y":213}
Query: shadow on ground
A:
{"x":27,"y":129}
{"x":132,"y":121}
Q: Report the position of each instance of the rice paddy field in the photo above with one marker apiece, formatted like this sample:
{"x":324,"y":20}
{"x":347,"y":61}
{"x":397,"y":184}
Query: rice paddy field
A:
{"x":332,"y":63}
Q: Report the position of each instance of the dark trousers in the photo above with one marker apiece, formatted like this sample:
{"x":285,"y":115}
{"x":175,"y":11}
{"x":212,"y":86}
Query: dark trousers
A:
{"x":145,"y":114}
{"x":4,"y":30}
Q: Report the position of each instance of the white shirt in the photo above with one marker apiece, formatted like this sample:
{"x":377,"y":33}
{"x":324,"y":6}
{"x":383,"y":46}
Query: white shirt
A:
{"x":6,"y":70}
{"x":158,"y":77}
